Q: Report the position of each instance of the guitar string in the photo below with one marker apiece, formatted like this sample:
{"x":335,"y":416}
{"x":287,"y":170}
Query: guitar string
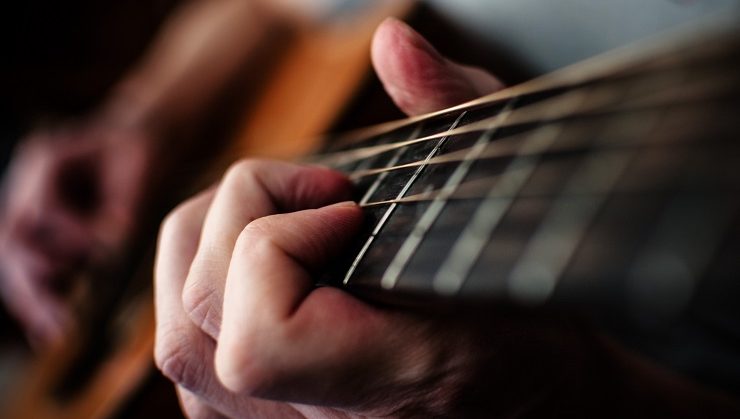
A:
{"x":515,"y":116}
{"x":657,"y":54}
{"x":685,"y":97}
{"x":504,"y":148}
{"x":688,"y":94}
{"x":407,"y":186}
{"x":539,"y":267}
{"x":468,"y":187}
{"x":479,"y":189}
{"x":410,"y":246}
{"x":655,"y":68}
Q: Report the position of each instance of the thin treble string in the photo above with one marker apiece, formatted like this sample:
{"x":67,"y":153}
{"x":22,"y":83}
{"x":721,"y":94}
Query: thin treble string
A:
{"x":483,"y":194}
{"x":693,"y":89}
{"x":530,"y":114}
{"x":656,"y":54}
{"x":502,"y":148}
{"x":673,"y":138}
{"x":481,"y":189}
{"x":342,"y":158}
{"x":471,"y":189}
{"x":507,"y":147}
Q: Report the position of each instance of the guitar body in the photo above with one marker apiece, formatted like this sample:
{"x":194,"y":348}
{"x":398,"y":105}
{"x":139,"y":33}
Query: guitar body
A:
{"x":284,"y":121}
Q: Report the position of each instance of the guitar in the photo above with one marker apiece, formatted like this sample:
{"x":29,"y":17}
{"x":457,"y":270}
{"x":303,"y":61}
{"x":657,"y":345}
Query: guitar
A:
{"x":611,"y":188}
{"x":106,"y":369}
{"x":550,"y":193}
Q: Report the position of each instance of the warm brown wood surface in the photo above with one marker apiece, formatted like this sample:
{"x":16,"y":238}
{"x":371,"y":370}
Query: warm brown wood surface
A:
{"x":314,"y":79}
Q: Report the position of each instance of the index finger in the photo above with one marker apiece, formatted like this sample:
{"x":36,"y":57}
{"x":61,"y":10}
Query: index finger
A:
{"x":250,"y":189}
{"x":282,"y":339}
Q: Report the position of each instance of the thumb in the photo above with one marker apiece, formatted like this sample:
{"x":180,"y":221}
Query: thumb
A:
{"x":417,"y":77}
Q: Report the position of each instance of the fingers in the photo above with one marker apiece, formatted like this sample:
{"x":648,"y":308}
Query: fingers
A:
{"x":182,"y":351}
{"x":38,"y":245}
{"x":417,"y":77}
{"x":250,"y":190}
{"x":282,"y":339}
{"x":177,"y":245}
{"x":44,"y":318}
{"x":268,"y":280}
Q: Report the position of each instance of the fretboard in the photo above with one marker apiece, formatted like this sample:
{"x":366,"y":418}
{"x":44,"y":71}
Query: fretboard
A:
{"x":606,"y":184}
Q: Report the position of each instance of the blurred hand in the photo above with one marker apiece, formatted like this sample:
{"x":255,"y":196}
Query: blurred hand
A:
{"x":69,"y":199}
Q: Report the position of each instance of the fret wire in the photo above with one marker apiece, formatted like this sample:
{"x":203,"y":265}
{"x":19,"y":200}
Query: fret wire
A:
{"x":366,"y":246}
{"x":365,"y":163}
{"x":381,"y":177}
{"x":466,"y":190}
{"x":535,"y":275}
{"x":467,"y":248}
{"x":364,"y":167}
{"x":378,"y":180}
{"x":411,"y":244}
{"x":694,"y":90}
{"x":391,"y":209}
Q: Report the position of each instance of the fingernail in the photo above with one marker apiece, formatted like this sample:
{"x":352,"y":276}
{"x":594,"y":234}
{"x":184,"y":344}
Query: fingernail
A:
{"x":345,"y":204}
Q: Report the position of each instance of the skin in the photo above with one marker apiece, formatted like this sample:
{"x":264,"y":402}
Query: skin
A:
{"x":242,"y":332}
{"x":51,"y":227}
{"x":69,"y":199}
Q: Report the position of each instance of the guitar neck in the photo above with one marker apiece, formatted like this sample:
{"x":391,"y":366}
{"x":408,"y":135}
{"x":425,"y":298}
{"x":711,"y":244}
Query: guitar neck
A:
{"x":607,"y":185}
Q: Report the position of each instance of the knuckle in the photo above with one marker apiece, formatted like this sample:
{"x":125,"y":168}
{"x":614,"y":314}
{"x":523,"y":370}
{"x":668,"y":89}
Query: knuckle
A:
{"x":200,"y":303}
{"x":177,"y":362}
{"x":172,"y":225}
{"x":241,"y":169}
{"x":175,"y":224}
{"x":244,"y":370}
{"x":255,"y":231}
{"x":256,"y":239}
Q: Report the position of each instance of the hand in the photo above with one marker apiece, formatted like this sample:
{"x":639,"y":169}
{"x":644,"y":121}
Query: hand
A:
{"x":69,"y":200}
{"x":234,"y":282}
{"x":242,"y":331}
{"x":240,"y":326}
